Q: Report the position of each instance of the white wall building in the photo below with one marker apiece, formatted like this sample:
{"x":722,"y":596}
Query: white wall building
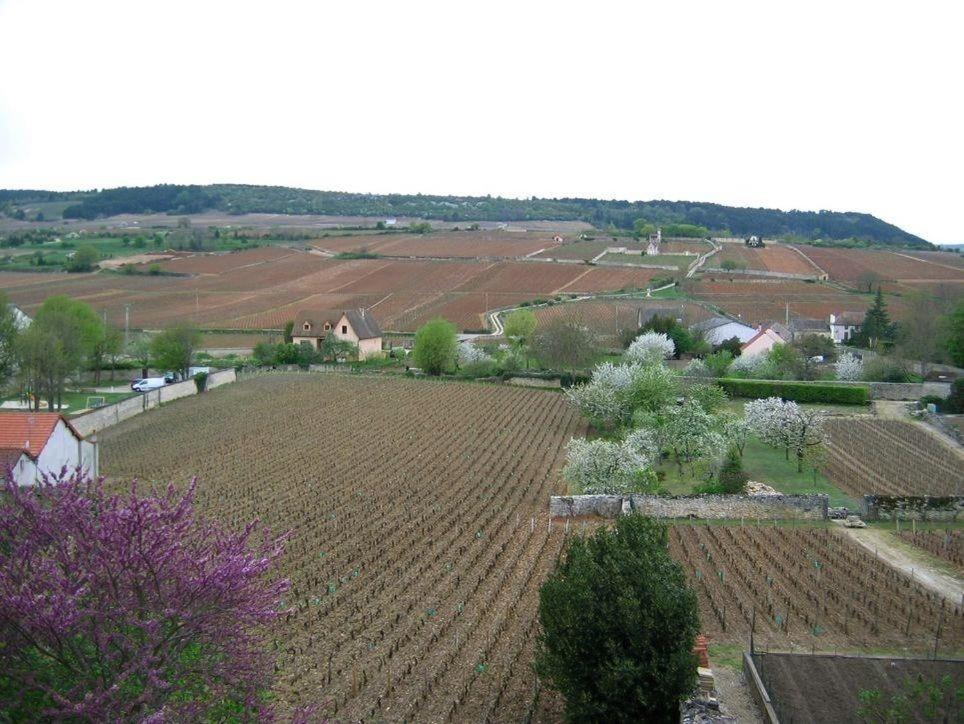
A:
{"x":719,"y":329}
{"x":36,"y":443}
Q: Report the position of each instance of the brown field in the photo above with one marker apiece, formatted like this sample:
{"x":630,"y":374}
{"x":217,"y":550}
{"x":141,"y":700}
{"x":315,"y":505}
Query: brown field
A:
{"x":609,"y":317}
{"x":420,"y":534}
{"x":947,"y":545}
{"x":808,"y":588}
{"x":759,"y":301}
{"x":466,"y":244}
{"x":847,"y":265}
{"x":771,"y":258}
{"x":808,"y":688}
{"x":264,"y":288}
{"x":890,"y":457}
{"x":940,"y":257}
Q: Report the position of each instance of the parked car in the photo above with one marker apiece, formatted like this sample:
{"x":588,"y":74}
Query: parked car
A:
{"x":170,"y":377}
{"x":148,"y":384}
{"x":136,"y":381}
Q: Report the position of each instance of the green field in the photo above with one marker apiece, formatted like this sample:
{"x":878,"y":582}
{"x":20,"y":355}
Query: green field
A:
{"x":77,"y":401}
{"x":680,"y":261}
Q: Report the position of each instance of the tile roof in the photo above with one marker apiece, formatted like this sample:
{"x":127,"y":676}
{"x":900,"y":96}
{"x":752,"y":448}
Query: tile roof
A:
{"x":361,"y":321}
{"x":28,"y":431}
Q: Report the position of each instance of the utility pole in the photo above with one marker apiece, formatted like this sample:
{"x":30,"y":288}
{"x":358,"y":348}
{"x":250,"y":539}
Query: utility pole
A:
{"x":127,"y":325}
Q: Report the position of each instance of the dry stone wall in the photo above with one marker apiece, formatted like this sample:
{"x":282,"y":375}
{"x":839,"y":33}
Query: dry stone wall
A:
{"x":766,"y":507}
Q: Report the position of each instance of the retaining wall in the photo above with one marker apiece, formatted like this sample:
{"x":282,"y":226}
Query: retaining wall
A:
{"x":108,"y":415}
{"x":912,"y":507}
{"x":717,"y":507}
{"x":765,"y":273}
{"x":877,"y":390}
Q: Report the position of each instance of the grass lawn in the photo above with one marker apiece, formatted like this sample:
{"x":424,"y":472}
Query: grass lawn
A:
{"x":77,"y":401}
{"x":680,"y":261}
{"x":764,"y":464}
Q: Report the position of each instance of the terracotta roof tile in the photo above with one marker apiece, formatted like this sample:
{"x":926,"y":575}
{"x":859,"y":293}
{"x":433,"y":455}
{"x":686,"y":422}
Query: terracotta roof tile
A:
{"x":28,"y":431}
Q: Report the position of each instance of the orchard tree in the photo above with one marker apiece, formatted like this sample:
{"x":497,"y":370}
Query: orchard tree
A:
{"x":9,"y":330}
{"x":174,"y":347}
{"x":519,"y":326}
{"x":139,"y":350}
{"x":436,"y":346}
{"x":618,"y":625}
{"x":787,"y":425}
{"x":650,"y":348}
{"x":564,"y":344}
{"x":848,"y":367}
{"x":130,"y":607}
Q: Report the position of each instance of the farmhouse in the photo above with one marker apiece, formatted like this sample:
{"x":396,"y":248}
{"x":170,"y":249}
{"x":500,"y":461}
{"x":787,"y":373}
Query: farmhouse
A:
{"x":762,"y":341}
{"x":35,"y":443}
{"x":843,"y":328}
{"x":353,"y":325}
{"x":719,"y":329}
{"x":801,"y":327}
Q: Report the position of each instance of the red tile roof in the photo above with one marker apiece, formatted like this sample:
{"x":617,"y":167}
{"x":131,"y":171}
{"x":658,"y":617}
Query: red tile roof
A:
{"x":28,"y":431}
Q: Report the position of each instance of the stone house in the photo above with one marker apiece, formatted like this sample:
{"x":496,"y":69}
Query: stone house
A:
{"x":761,"y":342}
{"x":352,"y":325}
{"x":844,"y":327}
{"x":35,"y":443}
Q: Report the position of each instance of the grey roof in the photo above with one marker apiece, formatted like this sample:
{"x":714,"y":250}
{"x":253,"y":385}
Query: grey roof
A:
{"x":781,"y":329}
{"x":713,"y":322}
{"x":360,"y":320}
{"x":809,"y":325}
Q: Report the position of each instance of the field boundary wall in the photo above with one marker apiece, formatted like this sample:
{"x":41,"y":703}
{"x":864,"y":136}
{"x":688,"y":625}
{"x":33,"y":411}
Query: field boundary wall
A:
{"x":706,"y":507}
{"x":897,"y":391}
{"x":758,"y":691}
{"x":912,"y":507}
{"x":766,"y":273}
{"x":109,"y":415}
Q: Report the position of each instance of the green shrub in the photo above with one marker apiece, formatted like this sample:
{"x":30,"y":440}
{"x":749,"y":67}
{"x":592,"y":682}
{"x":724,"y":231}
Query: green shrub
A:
{"x":954,"y":404}
{"x":618,"y":624}
{"x":796,"y":391}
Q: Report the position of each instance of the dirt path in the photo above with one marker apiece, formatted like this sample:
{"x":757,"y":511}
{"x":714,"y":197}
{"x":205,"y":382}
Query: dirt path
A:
{"x":910,"y":561}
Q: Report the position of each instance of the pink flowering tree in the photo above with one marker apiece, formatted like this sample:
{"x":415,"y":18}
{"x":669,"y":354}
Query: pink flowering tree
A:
{"x":130,"y":607}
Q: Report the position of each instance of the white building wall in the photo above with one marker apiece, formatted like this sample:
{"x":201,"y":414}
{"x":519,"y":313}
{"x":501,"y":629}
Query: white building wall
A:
{"x":720,"y":334}
{"x":62,"y":448}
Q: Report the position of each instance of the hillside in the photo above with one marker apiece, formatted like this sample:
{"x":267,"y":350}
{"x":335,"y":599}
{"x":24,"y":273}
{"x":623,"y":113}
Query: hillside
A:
{"x":240,"y":199}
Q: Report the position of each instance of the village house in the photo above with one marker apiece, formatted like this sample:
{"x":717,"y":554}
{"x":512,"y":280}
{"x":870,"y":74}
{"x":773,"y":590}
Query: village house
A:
{"x":843,"y":328}
{"x":716,"y":330}
{"x":764,"y":339}
{"x":36,"y":443}
{"x":353,"y":325}
{"x":801,"y":327}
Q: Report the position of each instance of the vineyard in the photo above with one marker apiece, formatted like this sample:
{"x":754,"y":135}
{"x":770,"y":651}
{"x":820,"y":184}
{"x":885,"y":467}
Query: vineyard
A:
{"x":890,"y":457}
{"x":466,"y":244}
{"x":609,"y":317}
{"x":948,"y":545}
{"x":782,"y":259}
{"x":759,"y":301}
{"x":848,"y":265}
{"x":807,"y":588}
{"x":419,"y":530}
{"x":264,"y":288}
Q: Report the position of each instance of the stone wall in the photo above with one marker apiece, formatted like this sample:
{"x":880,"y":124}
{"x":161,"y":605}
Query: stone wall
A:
{"x":912,"y":507}
{"x":908,"y":390}
{"x":766,"y":507}
{"x":108,"y":415}
{"x":764,"y":273}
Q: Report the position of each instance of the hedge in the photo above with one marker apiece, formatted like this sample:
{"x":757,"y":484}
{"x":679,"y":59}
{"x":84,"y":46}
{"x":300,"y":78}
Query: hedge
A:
{"x":797,"y":391}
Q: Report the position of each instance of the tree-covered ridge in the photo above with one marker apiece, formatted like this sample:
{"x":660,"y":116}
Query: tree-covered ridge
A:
{"x":240,"y":199}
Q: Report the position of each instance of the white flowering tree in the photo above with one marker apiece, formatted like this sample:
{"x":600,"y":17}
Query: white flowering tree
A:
{"x":849,"y":367}
{"x":697,"y":368}
{"x":746,"y":365}
{"x":787,"y":425}
{"x":605,"y":398}
{"x":694,"y":437}
{"x":603,"y":467}
{"x":736,"y":430}
{"x":650,"y":348}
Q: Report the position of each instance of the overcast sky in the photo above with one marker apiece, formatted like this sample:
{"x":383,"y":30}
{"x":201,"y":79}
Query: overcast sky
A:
{"x":810,"y":105}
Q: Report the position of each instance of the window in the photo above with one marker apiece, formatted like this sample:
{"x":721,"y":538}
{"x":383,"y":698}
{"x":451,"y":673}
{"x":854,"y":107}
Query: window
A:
{"x":344,"y":329}
{"x":327,"y":326}
{"x":307,"y":326}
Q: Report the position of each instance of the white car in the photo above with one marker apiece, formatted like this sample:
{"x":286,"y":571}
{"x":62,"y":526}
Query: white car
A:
{"x":148,"y":384}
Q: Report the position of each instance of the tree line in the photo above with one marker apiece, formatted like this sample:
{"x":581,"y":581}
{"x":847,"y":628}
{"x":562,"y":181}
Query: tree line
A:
{"x":241,"y":199}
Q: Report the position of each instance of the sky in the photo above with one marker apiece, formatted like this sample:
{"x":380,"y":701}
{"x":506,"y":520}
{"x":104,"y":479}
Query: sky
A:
{"x":843,"y":105}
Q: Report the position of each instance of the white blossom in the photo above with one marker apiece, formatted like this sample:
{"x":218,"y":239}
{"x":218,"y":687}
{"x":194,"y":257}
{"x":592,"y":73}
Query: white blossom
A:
{"x":469,"y":354}
{"x":787,"y":425}
{"x":746,"y":365}
{"x":600,"y":466}
{"x":651,"y":348}
{"x":849,"y":367}
{"x":697,"y":368}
